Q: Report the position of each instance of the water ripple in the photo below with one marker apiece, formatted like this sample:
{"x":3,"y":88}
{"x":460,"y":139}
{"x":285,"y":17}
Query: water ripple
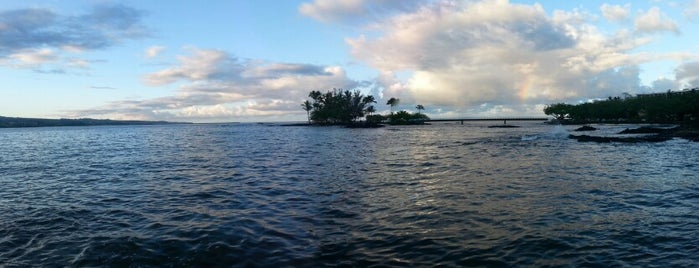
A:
{"x":259,"y":195}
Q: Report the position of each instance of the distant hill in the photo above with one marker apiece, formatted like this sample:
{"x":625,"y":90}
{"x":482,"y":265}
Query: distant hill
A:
{"x":8,"y":122}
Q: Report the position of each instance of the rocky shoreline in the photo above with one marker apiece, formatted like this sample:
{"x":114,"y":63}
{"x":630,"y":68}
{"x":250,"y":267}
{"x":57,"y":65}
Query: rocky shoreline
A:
{"x":655,"y":134}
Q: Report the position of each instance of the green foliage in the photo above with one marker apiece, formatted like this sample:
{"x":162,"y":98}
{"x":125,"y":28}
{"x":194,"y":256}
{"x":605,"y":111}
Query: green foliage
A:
{"x":560,"y":111}
{"x":375,"y":118}
{"x":338,"y":106}
{"x":670,"y":107}
{"x":406,"y":118}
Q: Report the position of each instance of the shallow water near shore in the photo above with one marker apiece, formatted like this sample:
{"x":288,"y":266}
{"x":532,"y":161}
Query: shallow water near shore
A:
{"x":266,"y":195}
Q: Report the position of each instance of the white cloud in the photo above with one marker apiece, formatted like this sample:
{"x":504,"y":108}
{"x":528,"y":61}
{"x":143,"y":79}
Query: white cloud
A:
{"x":692,"y":9}
{"x":329,"y":10}
{"x":215,"y":86}
{"x":615,"y":12}
{"x":201,"y":65}
{"x":32,"y":57}
{"x":465,"y":55}
{"x":664,"y":84}
{"x":78,"y":63}
{"x":654,"y":21}
{"x":45,"y":60}
{"x":154,"y":51}
{"x":687,"y":74}
{"x":354,"y":10}
{"x":37,"y":38}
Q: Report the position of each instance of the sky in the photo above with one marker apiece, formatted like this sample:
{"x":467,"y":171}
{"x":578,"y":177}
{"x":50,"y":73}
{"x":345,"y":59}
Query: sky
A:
{"x":257,"y":60}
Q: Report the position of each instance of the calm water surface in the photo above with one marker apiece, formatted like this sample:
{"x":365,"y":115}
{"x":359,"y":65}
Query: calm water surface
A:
{"x":261,"y":195}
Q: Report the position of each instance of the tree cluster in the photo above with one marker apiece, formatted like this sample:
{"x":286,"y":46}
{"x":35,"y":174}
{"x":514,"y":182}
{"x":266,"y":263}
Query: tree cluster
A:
{"x":338,"y":107}
{"x":344,"y":107}
{"x":670,"y":107}
{"x":406,"y":118}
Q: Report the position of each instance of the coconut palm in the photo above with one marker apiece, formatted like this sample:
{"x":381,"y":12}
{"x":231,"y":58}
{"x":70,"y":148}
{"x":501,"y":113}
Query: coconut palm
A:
{"x":419,"y":107}
{"x":306,"y":105}
{"x":370,"y":110}
{"x":392,"y":102}
{"x":337,"y":106}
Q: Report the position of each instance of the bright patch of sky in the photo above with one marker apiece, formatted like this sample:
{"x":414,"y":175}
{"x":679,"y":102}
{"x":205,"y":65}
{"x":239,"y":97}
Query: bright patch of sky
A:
{"x":220,"y":61}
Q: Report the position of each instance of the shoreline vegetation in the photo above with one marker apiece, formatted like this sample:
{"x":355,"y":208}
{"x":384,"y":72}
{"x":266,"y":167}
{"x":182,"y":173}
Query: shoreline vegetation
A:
{"x":22,"y":122}
{"x":338,"y":107}
{"x":680,"y":109}
{"x":676,"y":112}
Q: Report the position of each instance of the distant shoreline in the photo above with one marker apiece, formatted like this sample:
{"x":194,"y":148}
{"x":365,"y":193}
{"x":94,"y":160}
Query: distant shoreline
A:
{"x":22,"y":122}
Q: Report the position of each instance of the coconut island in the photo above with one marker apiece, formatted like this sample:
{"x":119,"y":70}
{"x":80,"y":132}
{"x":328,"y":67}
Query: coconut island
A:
{"x":338,"y":107}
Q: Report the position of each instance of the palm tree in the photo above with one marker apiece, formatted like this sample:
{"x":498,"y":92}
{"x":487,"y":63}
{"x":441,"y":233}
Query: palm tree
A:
{"x":306,"y":105}
{"x":370,"y":110}
{"x":392,"y":102}
{"x":315,"y":95}
{"x":419,"y":107}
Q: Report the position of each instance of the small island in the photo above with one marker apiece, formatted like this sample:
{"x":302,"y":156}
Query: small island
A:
{"x":338,"y":107}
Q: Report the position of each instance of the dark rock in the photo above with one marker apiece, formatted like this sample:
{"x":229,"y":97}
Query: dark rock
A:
{"x":586,"y":128}
{"x":602,"y":139}
{"x":295,"y":125}
{"x":648,"y":130}
{"x":689,"y":133}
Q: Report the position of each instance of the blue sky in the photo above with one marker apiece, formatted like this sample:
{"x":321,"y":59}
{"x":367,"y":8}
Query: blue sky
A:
{"x":222,"y":61}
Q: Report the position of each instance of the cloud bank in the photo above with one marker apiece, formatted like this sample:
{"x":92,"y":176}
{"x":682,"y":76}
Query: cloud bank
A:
{"x":476,"y":56}
{"x":214,"y":85}
{"x":458,"y":58}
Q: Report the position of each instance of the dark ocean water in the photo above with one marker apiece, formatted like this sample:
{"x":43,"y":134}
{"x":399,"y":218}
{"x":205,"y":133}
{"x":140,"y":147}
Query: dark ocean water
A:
{"x":261,"y":195}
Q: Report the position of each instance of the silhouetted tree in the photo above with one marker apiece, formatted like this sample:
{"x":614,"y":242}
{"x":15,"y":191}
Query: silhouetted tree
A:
{"x":406,"y":118}
{"x":339,"y":106}
{"x":392,"y":102}
{"x":307,"y":106}
{"x":370,"y":110}
{"x":560,"y":111}
{"x":419,"y":107}
{"x":670,"y":107}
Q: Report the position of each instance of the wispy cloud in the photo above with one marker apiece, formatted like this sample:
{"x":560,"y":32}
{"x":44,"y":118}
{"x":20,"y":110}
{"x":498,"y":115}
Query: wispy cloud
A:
{"x":102,"y":87}
{"x":692,"y":9}
{"x":216,"y":86}
{"x":654,"y":21}
{"x":154,"y":51}
{"x":30,"y":58}
{"x":356,"y":10}
{"x":200,"y":65}
{"x":35,"y":36}
{"x":615,"y":13}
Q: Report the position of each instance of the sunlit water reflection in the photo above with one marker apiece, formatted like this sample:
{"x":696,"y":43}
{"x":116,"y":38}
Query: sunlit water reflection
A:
{"x":261,"y":195}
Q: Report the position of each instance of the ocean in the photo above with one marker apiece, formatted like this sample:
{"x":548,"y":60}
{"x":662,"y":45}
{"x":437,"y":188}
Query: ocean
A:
{"x":446,"y":194}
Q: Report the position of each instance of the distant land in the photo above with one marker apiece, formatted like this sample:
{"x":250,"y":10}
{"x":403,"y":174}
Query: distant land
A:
{"x":11,"y":122}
